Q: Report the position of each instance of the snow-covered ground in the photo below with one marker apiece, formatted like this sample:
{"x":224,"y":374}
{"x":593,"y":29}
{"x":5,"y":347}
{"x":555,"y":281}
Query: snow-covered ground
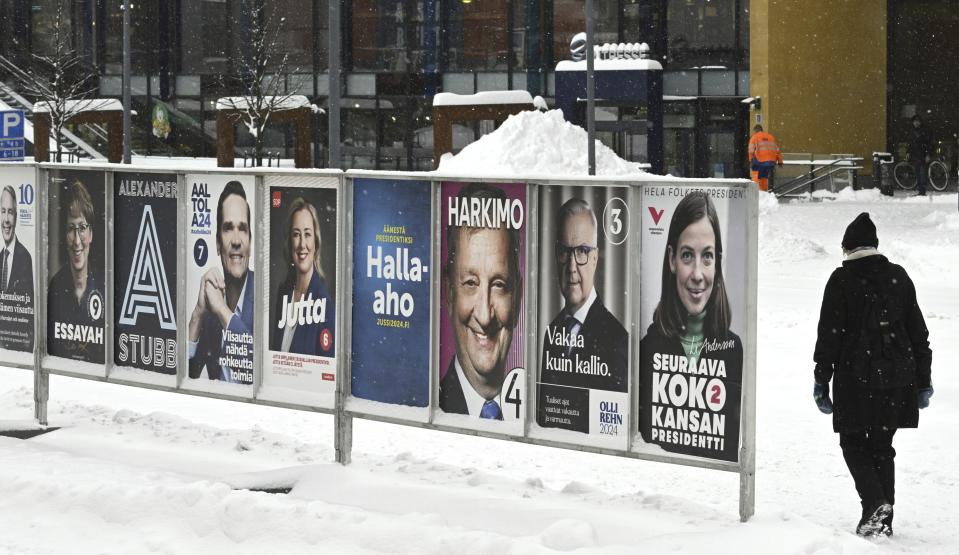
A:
{"x":138,"y":471}
{"x":135,"y":471}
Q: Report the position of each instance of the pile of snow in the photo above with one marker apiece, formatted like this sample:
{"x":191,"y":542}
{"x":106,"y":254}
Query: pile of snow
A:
{"x":536,"y":143}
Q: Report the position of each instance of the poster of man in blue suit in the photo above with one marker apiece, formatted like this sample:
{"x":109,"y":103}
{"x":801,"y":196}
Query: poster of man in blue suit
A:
{"x":220,"y":329}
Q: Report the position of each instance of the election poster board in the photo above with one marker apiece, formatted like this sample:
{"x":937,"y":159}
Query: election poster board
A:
{"x":583,"y":375}
{"x":75,"y":293}
{"x":18,"y":225}
{"x":300,"y":365}
{"x":145,"y":277}
{"x":693,"y":317}
{"x":481,"y":372}
{"x":392,"y":276}
{"x":220,"y":284}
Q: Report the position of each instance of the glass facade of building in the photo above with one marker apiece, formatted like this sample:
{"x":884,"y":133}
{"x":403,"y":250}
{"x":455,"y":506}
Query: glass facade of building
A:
{"x":396,"y":54}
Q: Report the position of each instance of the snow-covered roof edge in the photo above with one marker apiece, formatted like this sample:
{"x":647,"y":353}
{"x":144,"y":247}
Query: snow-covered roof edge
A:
{"x":88,"y":105}
{"x":485,"y":97}
{"x":243,"y":102}
{"x":610,"y":65}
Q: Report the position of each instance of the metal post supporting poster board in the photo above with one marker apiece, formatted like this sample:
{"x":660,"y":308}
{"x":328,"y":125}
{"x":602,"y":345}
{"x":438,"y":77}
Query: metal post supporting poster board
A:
{"x":41,"y":378}
{"x":343,"y":422}
{"x":747,"y":457}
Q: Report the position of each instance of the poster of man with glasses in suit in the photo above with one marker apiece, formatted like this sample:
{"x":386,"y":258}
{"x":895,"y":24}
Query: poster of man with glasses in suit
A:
{"x":585,"y":351}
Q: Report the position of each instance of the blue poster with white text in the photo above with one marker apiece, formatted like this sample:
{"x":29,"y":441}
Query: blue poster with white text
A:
{"x":391,"y":291}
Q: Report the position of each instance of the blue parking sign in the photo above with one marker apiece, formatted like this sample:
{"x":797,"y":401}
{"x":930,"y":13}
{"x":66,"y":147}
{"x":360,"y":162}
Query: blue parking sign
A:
{"x":11,"y":135}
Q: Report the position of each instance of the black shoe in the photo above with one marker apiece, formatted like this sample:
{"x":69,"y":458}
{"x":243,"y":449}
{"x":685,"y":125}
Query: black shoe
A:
{"x":887,"y":525}
{"x":872,"y":521}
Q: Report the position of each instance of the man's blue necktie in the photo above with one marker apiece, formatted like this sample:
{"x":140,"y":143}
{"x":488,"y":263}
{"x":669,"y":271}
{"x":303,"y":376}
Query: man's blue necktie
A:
{"x":491,"y":411}
{"x":571,"y":323}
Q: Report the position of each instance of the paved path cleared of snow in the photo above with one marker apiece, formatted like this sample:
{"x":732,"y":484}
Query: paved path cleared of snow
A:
{"x":139,"y":471}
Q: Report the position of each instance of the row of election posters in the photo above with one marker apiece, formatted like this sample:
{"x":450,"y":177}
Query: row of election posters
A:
{"x":605,"y":316}
{"x":220,"y":295}
{"x":441,"y":286}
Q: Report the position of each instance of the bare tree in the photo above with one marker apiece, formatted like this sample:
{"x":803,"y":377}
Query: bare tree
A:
{"x":262,"y":70}
{"x":61,"y":79}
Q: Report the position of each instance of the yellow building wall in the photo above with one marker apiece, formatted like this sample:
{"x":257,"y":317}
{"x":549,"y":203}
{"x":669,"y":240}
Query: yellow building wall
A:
{"x":820,"y":68}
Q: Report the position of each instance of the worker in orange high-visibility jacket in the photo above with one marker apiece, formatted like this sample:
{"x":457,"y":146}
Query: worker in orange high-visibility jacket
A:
{"x":764,"y":154}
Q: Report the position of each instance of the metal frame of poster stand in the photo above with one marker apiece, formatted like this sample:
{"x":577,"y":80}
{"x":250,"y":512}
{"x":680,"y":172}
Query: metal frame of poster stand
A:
{"x":342,"y":411}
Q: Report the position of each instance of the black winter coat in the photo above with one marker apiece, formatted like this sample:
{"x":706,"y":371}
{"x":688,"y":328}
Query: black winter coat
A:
{"x":857,"y":407}
{"x":920,"y":144}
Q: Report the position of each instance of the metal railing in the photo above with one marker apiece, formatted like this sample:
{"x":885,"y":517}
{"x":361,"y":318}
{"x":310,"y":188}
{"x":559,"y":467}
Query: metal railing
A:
{"x":817,"y":173}
{"x":26,"y":79}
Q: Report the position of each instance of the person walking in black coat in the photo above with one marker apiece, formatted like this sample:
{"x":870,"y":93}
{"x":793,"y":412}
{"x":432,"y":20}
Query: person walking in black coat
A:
{"x":920,"y":153}
{"x":874,"y":346}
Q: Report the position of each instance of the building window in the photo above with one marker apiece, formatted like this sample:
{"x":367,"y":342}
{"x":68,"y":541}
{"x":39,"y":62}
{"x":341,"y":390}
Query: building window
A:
{"x":205,"y":36}
{"x":144,"y":37}
{"x":701,"y":33}
{"x":569,"y":18}
{"x":396,"y":36}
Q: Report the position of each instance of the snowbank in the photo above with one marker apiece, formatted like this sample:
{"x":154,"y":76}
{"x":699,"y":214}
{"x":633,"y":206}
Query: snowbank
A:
{"x":537,"y":143}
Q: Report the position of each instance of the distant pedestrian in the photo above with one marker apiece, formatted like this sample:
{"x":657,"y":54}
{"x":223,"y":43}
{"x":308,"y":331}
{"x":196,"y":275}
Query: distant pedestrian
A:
{"x":764,"y":155}
{"x":873,"y":344}
{"x":920,"y":152}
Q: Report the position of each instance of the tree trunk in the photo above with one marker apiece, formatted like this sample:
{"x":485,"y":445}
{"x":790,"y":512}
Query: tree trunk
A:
{"x":57,"y":155}
{"x":258,"y":148}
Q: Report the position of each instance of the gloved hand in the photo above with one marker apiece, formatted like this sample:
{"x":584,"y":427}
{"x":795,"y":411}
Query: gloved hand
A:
{"x":924,"y":395}
{"x":820,"y":393}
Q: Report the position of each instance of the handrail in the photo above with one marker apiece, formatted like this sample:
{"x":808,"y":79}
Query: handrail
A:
{"x":24,"y":78}
{"x":810,"y":178}
{"x":811,"y":181}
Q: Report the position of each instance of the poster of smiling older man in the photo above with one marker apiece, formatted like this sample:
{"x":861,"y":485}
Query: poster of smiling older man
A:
{"x":482,"y":370}
{"x":75,"y":295}
{"x":692,"y":317}
{"x":221,"y":291}
{"x":584,"y":357}
{"x":18,"y":199}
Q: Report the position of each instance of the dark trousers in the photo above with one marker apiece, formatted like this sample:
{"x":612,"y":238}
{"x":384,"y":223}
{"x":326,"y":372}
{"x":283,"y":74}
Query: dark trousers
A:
{"x":871,"y":461}
{"x":922,"y":174}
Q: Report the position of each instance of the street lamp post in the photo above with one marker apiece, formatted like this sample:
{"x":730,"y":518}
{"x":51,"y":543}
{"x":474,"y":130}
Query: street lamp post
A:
{"x":125,"y":6}
{"x":590,"y":90}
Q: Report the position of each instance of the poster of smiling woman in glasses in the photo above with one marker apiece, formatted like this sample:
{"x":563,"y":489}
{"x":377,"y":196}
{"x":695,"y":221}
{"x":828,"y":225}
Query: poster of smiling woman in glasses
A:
{"x":75,"y":296}
{"x":584,"y":362}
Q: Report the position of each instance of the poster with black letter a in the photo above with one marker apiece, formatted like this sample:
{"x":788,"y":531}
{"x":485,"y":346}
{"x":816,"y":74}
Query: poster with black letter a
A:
{"x":145,"y":225}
